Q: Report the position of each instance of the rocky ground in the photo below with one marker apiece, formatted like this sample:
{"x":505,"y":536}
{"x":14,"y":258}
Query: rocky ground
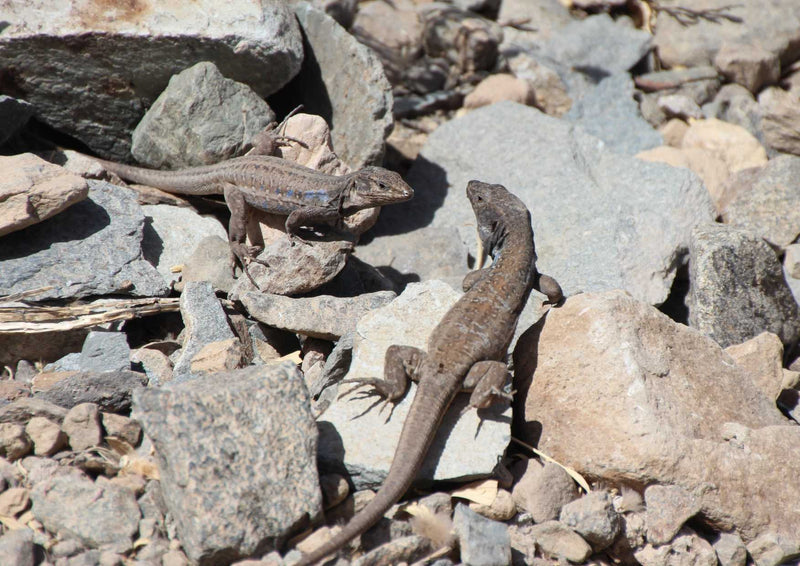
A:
{"x":157,"y":410}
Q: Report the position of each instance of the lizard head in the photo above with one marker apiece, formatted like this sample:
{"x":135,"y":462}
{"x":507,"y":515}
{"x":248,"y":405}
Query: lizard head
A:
{"x":495,"y":210}
{"x":375,"y":186}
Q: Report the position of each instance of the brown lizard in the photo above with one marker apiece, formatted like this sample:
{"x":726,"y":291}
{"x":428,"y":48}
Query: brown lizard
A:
{"x":307,"y":197}
{"x":465,"y":351}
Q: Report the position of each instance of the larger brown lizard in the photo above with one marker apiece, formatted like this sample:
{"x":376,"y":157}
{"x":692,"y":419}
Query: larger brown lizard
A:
{"x":465,"y":351}
{"x":307,"y":197}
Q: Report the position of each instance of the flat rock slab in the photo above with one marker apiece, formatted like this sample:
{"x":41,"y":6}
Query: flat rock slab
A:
{"x":602,"y":220}
{"x":623,"y":394}
{"x":237,"y":457}
{"x":737,"y":287}
{"x":33,"y":190}
{"x":92,"y":248}
{"x":108,"y":62}
{"x":355,"y":431}
{"x":111,"y":391}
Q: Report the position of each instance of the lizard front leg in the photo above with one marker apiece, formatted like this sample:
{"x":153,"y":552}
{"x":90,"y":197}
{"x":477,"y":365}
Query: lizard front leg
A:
{"x":400,"y":365}
{"x":486,"y":380}
{"x":237,"y":227}
{"x":311,"y":216}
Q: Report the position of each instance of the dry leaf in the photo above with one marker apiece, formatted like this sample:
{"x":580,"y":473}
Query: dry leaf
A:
{"x":573,"y":474}
{"x":482,"y":492}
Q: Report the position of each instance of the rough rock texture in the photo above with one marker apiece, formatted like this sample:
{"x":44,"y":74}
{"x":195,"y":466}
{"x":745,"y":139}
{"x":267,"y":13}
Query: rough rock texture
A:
{"x":111,"y":391}
{"x":200,"y":118}
{"x":686,"y":549}
{"x":96,"y":513}
{"x":737,"y":287}
{"x":107,"y":62}
{"x":732,"y":144}
{"x":748,"y":65}
{"x":781,"y":115}
{"x":770,"y":205}
{"x":323,"y":316}
{"x":772,"y":26}
{"x":656,"y":412}
{"x":481,"y":540}
{"x":353,"y":94}
{"x":236,"y":452}
{"x":601,"y":220}
{"x":33,"y":190}
{"x":542,"y":489}
{"x":92,"y":248}
{"x":762,"y":358}
{"x":353,"y":429}
{"x":594,"y":518}
{"x":559,"y":541}
{"x":82,"y":427}
{"x":668,"y":508}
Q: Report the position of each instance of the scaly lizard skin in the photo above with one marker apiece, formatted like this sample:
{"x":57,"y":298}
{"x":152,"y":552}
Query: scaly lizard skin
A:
{"x":278,"y":186}
{"x":465,"y":351}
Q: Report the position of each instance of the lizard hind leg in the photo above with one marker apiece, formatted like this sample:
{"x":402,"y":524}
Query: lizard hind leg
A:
{"x":400,"y":365}
{"x":486,"y":379}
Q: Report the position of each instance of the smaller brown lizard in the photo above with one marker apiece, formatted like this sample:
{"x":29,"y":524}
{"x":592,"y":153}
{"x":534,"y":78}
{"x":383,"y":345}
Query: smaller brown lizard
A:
{"x":307,"y":197}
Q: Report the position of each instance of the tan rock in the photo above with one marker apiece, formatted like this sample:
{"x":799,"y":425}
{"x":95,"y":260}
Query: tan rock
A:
{"x":771,"y":549}
{"x":46,"y":435}
{"x":559,"y":541}
{"x":762,"y":358}
{"x":156,"y":363}
{"x":748,"y":65}
{"x":550,"y":91}
{"x":713,"y":171}
{"x":625,"y":395}
{"x":14,"y":501}
{"x":501,"y":86}
{"x":730,"y":143}
{"x":14,"y":443}
{"x":33,"y":190}
{"x":730,"y":550}
{"x":781,"y":119}
{"x":122,"y":427}
{"x":542,"y":489}
{"x":223,"y":355}
{"x":668,"y":508}
{"x":82,"y":426}
{"x":501,"y":509}
{"x":791,"y":260}
{"x":688,"y":549}
{"x":673,"y":132}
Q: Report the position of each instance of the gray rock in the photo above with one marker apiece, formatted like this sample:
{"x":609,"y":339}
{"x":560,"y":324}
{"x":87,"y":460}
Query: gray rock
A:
{"x":542,"y":489}
{"x":594,"y":518}
{"x":610,"y":113}
{"x":680,"y":106}
{"x":770,"y":205}
{"x":172,"y":232}
{"x":294,"y":269}
{"x":353,"y":429}
{"x":82,"y":426}
{"x":210,"y":261}
{"x":772,"y":549}
{"x":343,"y":81}
{"x":111,"y":391}
{"x":70,"y":362}
{"x":674,"y":79}
{"x":14,"y":114}
{"x":105,"y":351}
{"x":725,"y":301}
{"x":336,"y":365}
{"x":205,"y":323}
{"x":688,"y":549}
{"x":98,"y":513}
{"x":16,"y":547}
{"x":22,"y":410}
{"x":549,"y":15}
{"x":598,"y":46}
{"x":323,"y":316}
{"x":482,"y":541}
{"x":780,"y":119}
{"x":735,"y":104}
{"x":594,"y":212}
{"x":668,"y":508}
{"x":92,"y":248}
{"x":678,"y":44}
{"x":730,"y":550}
{"x":101,"y":83}
{"x":559,"y":541}
{"x":402,"y":550}
{"x":199,"y":119}
{"x":239,"y":486}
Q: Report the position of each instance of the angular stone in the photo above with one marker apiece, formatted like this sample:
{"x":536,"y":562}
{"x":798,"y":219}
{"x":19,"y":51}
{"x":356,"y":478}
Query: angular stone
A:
{"x":748,"y":65}
{"x":46,"y":436}
{"x":542,"y":490}
{"x":550,"y":92}
{"x":110,"y":391}
{"x":14,"y":501}
{"x":323,"y":316}
{"x":770,"y":205}
{"x":648,"y":417}
{"x":122,"y":427}
{"x":481,"y":540}
{"x":771,"y":549}
{"x":780,"y":118}
{"x":22,"y":410}
{"x":688,"y":549}
{"x":725,"y":301}
{"x":762,"y":358}
{"x":92,"y":248}
{"x":96,"y":513}
{"x":136,"y":49}
{"x":668,"y":508}
{"x":465,"y":446}
{"x":594,"y":518}
{"x":33,"y":190}
{"x":573,"y":186}
{"x":730,"y":550}
{"x":737,"y":105}
{"x":561,"y":542}
{"x":239,"y":486}
{"x":199,"y":119}
{"x":14,"y":443}
{"x":105,"y":351}
{"x":82,"y":426}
